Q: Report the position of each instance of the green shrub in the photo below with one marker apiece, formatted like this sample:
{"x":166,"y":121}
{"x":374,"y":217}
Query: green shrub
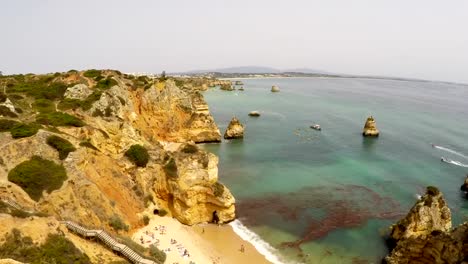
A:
{"x":170,"y":168}
{"x":117,"y":224}
{"x":5,"y":111}
{"x":106,"y":83}
{"x":6,"y":124}
{"x":59,"y":119}
{"x":92,"y":73}
{"x":162,"y":212}
{"x":37,"y":175}
{"x":72,"y":71}
{"x":138,"y":155}
{"x":190,"y":148}
{"x":157,"y":254}
{"x":218,"y":189}
{"x":146,"y":220}
{"x":39,"y":87}
{"x":88,"y":144}
{"x":62,"y":145}
{"x":3,"y":97}
{"x":21,"y":130}
{"x":19,"y":213}
{"x":56,"y":249}
{"x":44,"y":105}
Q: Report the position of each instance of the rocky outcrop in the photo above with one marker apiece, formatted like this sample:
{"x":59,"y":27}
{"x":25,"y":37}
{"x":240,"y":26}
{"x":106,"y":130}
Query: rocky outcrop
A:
{"x":254,"y":113}
{"x":464,"y":186}
{"x":79,"y":91}
{"x":370,"y":128}
{"x":226,"y":87}
{"x":234,"y":130}
{"x":191,"y":189}
{"x":425,"y":235}
{"x":275,"y":89}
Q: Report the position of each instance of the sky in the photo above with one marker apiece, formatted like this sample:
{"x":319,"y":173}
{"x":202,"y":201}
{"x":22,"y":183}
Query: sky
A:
{"x":425,"y":39}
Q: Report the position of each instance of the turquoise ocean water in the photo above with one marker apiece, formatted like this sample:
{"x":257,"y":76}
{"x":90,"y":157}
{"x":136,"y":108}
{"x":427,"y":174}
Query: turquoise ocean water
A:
{"x":329,"y":196}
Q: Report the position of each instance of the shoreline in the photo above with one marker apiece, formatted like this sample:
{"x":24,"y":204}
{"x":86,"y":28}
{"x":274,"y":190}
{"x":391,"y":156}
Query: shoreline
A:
{"x":199,"y":244}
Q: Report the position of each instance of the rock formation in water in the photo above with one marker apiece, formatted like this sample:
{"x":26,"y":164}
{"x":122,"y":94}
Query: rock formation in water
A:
{"x":370,"y":128}
{"x":275,"y":89}
{"x":234,"y":130}
{"x":425,"y":234}
{"x":226,"y":86}
{"x":464,"y":186}
{"x":98,"y":116}
{"x":254,"y":113}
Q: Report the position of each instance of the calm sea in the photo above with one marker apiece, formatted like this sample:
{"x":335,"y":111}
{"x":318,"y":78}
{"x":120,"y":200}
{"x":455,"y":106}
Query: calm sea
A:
{"x":329,"y":196}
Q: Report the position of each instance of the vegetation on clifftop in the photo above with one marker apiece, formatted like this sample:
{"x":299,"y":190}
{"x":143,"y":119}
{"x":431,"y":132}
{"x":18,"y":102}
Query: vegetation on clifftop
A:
{"x":56,"y":249}
{"x":37,"y":175}
{"x":21,"y":130}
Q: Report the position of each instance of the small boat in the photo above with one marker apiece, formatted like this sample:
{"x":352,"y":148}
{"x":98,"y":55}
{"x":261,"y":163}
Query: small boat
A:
{"x":316,"y":127}
{"x":444,"y":160}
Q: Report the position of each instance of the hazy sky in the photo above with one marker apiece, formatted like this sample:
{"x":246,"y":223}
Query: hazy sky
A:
{"x":406,"y":38}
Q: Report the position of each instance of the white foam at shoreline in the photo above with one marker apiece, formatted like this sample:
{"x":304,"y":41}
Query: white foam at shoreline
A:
{"x":262,"y":246}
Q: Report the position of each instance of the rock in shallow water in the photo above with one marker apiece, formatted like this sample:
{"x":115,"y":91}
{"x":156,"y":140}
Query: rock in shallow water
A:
{"x":234,"y":130}
{"x":275,"y":89}
{"x":370,"y":128}
{"x":254,"y":113}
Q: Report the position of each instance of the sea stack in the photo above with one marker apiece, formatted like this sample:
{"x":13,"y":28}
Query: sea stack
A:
{"x":425,"y":235}
{"x":370,"y":129}
{"x":234,"y":130}
{"x":254,"y":113}
{"x":275,"y":89}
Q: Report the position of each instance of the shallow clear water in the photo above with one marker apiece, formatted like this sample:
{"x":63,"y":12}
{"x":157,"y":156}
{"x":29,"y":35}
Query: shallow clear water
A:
{"x":328,"y":196}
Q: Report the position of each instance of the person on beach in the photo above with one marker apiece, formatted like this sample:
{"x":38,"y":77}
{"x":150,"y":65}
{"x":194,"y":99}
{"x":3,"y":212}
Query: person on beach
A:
{"x":242,"y":249}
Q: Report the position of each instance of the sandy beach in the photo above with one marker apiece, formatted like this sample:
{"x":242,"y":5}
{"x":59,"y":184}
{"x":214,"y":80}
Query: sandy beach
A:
{"x":200,"y":244}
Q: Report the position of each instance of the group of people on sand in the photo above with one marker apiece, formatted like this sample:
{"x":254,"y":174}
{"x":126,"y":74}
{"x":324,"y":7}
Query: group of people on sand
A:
{"x":152,"y":240}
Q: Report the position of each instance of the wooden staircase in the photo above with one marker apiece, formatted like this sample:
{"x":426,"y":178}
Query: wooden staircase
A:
{"x":109,"y":241}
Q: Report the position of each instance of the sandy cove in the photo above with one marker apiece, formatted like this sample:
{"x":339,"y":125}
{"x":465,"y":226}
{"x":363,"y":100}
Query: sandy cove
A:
{"x":202,"y":244}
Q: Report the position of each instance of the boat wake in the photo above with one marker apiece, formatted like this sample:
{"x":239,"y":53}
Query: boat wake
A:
{"x":262,"y":246}
{"x":451,"y":151}
{"x":454,"y":162}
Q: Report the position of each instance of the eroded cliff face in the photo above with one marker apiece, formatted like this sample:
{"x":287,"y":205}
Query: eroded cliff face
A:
{"x":425,"y":234}
{"x":102,"y":183}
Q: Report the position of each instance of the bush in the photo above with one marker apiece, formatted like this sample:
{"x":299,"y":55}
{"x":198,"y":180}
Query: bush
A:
{"x":6,"y":124}
{"x":3,"y":97}
{"x":84,"y":104}
{"x":92,"y":73}
{"x":21,"y":130}
{"x":190,"y":148}
{"x":157,"y":254}
{"x":218,"y":189}
{"x":63,"y":146}
{"x":36,"y":175}
{"x":39,"y":87}
{"x":56,"y":249}
{"x":117,"y":224}
{"x":162,"y":212}
{"x":44,"y":105}
{"x":59,"y":119}
{"x":5,"y":111}
{"x":106,"y":83}
{"x":138,"y":155}
{"x":88,"y":144}
{"x":170,"y":168}
{"x":146,"y":220}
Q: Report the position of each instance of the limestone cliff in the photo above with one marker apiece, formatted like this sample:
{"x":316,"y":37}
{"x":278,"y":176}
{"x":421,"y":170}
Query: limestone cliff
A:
{"x":102,"y":183}
{"x":425,"y":234}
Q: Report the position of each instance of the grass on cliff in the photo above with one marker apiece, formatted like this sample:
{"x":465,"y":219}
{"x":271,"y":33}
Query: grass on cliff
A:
{"x":59,"y":119}
{"x":106,"y":83}
{"x":86,"y":104}
{"x":117,"y":224}
{"x":56,"y":249}
{"x":5,"y":111}
{"x":37,"y":175}
{"x":21,"y":130}
{"x":6,"y":124}
{"x":62,"y":145}
{"x":39,"y":87}
{"x":138,"y":155}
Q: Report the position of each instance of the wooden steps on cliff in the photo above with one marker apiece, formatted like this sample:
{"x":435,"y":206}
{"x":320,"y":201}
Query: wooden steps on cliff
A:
{"x":109,"y":241}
